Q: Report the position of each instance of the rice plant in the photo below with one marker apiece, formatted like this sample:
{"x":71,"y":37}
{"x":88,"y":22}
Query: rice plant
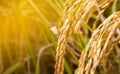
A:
{"x":60,"y":37}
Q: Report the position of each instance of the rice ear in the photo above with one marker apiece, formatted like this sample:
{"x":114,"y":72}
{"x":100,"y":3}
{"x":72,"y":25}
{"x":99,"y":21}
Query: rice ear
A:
{"x":76,"y":13}
{"x":99,"y":44}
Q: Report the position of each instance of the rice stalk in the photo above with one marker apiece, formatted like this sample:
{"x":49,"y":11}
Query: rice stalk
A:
{"x":99,"y":44}
{"x":86,"y":9}
{"x":65,"y":32}
{"x":39,"y":56}
{"x":104,"y":5}
{"x":76,"y":13}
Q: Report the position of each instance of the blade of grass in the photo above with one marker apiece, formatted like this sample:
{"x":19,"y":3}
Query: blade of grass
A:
{"x":24,"y":31}
{"x":55,"y":7}
{"x":14,"y":67}
{"x":6,"y":41}
{"x":58,"y":4}
{"x":67,"y":68}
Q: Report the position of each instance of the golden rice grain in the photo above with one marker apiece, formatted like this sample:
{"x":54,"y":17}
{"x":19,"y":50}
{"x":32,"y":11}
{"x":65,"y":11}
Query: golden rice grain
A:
{"x":99,"y":44}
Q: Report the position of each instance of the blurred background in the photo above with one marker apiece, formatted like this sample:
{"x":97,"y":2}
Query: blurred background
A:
{"x":27,"y":45}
